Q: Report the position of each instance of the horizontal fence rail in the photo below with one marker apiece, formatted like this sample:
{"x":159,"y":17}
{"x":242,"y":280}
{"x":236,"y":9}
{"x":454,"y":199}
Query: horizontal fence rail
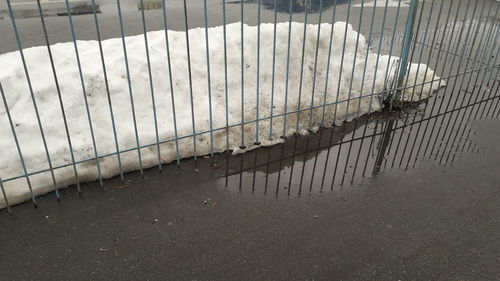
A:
{"x":335,"y":89}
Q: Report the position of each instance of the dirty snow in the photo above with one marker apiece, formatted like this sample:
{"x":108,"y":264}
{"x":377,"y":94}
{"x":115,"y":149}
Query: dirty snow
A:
{"x":19,"y":102}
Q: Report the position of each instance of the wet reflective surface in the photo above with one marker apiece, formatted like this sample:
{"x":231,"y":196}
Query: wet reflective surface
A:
{"x":390,"y":196}
{"x":339,"y":158}
{"x":187,"y":225}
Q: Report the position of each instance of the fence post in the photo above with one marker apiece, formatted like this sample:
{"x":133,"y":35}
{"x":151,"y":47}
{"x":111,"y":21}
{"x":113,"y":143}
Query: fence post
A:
{"x":401,"y":75}
{"x":403,"y":64}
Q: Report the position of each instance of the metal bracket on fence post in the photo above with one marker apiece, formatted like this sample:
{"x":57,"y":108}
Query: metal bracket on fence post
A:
{"x":403,"y":64}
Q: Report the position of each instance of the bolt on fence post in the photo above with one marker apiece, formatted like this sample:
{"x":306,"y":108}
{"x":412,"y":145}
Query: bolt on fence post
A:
{"x":403,"y":66}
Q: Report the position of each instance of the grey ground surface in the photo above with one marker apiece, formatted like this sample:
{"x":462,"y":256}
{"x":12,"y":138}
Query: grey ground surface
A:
{"x":31,"y":31}
{"x":433,"y":223}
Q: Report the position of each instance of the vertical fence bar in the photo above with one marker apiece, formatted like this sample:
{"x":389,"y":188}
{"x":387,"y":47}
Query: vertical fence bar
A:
{"x":151,"y":87}
{"x":372,"y":141}
{"x":290,"y":6}
{"x":226,"y":93}
{"x":400,"y":99}
{"x":272,"y":99}
{"x":299,"y":101}
{"x":273,"y":72}
{"x":242,"y":146}
{"x":304,"y":163}
{"x":416,"y":77}
{"x":325,"y":93}
{"x":5,"y":196}
{"x":301,"y":79}
{"x":254,"y":169}
{"x":61,"y":104}
{"x":315,"y":63}
{"x":382,"y":98}
{"x":207,"y":48}
{"x":361,"y":91}
{"x":106,"y":83}
{"x":190,"y":82}
{"x":257,"y":142}
{"x":172,"y":96}
{"x":129,"y":83}
{"x":32,"y":94}
{"x":313,"y":172}
{"x":312,"y":95}
{"x":287,"y":66}
{"x":339,"y":83}
{"x":341,"y":63}
{"x":268,"y":162}
{"x":408,"y":35}
{"x":371,"y":97}
{"x":328,"y":63}
{"x":390,"y":135}
{"x":387,"y":136}
{"x":84,"y":92}
{"x":18,"y":147}
{"x":349,"y":95}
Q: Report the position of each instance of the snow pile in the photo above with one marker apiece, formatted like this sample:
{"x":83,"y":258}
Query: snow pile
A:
{"x":18,"y":97}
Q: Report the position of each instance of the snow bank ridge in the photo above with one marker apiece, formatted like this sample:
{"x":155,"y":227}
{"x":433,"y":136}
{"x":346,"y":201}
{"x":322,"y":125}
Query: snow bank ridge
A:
{"x":337,"y":109}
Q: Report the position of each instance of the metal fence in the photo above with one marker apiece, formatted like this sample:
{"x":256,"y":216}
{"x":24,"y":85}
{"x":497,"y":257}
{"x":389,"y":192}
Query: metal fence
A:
{"x":453,"y":46}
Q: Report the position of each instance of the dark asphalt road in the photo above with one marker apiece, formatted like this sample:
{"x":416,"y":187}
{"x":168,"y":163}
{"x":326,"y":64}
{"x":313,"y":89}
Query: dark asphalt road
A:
{"x":433,"y":223}
{"x":58,"y":27}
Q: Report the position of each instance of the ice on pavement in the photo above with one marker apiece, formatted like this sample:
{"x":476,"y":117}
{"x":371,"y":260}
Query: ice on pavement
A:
{"x":13,"y":80}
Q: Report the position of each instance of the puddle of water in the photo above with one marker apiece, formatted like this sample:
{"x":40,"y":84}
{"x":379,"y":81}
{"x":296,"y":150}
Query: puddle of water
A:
{"x":332,"y":160}
{"x":342,"y":157}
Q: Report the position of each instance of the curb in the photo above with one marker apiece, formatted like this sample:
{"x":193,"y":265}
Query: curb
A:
{"x":149,"y":4}
{"x":49,"y":8}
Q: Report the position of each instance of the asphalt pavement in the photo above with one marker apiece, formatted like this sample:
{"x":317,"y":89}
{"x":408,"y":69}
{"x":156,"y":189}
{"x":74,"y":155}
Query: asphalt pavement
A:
{"x":58,"y":27}
{"x":433,"y":223}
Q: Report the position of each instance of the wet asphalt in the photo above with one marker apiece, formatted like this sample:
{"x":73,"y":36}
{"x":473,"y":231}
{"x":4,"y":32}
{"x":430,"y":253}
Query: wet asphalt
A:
{"x":216,"y":219}
{"x":432,"y":223}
